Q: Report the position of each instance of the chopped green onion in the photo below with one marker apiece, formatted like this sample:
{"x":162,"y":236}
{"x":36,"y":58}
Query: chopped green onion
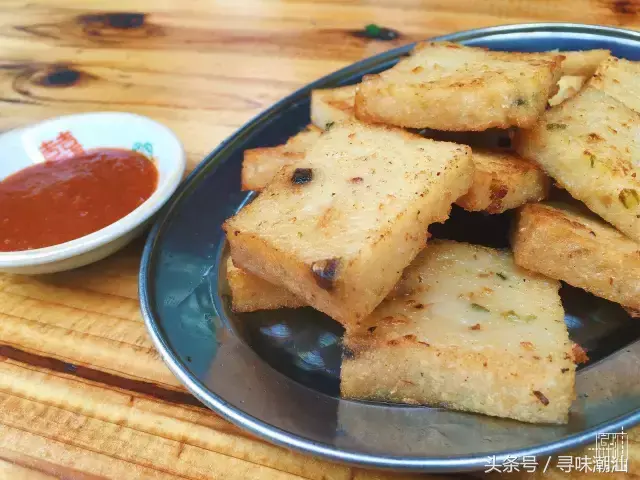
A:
{"x":479,"y":308}
{"x":511,"y":316}
{"x":514,"y":317}
{"x":629,"y":198}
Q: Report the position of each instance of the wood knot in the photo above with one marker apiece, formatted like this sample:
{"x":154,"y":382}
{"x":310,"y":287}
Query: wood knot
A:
{"x":59,"y":76}
{"x":119,"y":20}
{"x":625,"y":7}
{"x":118,"y":26}
{"x":376,"y":32}
{"x":29,"y":78}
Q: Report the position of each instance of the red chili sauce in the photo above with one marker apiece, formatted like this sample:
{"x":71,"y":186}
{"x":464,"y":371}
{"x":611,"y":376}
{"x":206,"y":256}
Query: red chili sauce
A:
{"x":57,"y":201}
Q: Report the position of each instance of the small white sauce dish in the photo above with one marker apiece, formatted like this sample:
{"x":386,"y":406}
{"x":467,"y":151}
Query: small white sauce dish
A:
{"x":23,"y":147}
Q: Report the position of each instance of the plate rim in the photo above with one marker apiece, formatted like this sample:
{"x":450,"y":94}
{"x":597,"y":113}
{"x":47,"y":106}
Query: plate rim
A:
{"x":298,"y":443}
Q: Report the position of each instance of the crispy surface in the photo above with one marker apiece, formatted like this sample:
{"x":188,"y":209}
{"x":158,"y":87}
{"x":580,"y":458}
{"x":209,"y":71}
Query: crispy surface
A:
{"x":619,"y":78}
{"x":583,"y":63}
{"x":250,"y":293}
{"x":328,"y":107}
{"x":468,"y":330}
{"x":590,"y":146}
{"x":503,"y":181}
{"x":341,"y":240}
{"x":336,"y":105}
{"x":585,"y":252}
{"x":260,"y":165}
{"x":332,"y":105}
{"x":447,"y":86}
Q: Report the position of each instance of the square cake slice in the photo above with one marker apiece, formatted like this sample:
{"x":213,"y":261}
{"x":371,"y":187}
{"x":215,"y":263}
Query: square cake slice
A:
{"x":502,"y":179}
{"x":590,"y":145}
{"x":469,"y":330}
{"x":447,"y":86}
{"x":561,"y":242}
{"x":338,"y":229}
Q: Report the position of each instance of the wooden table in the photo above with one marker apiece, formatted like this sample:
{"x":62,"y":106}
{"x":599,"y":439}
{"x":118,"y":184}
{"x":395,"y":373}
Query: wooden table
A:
{"x":83,"y":394}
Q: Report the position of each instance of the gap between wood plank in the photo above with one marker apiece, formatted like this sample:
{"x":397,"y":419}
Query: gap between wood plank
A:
{"x":146,"y":388}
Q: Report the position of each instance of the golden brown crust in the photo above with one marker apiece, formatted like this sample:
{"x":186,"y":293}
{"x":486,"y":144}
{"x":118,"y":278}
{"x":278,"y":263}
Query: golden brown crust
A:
{"x":590,"y":146}
{"x":618,"y":78}
{"x":250,"y":293}
{"x":490,"y":383}
{"x":338,"y":230}
{"x":332,"y":105}
{"x":492,"y":341}
{"x":503,"y":181}
{"x":447,"y":86}
{"x":260,"y":165}
{"x":580,"y":250}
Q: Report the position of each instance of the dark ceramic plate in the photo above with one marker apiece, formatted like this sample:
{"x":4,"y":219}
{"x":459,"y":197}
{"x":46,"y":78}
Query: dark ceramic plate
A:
{"x":277,"y":373}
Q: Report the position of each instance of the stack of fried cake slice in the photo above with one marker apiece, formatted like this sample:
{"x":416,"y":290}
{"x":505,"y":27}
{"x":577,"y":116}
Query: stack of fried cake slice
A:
{"x":340,"y":222}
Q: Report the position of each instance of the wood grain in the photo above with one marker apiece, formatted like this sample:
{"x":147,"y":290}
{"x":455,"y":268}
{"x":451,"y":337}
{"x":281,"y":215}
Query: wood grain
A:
{"x":83,"y":394}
